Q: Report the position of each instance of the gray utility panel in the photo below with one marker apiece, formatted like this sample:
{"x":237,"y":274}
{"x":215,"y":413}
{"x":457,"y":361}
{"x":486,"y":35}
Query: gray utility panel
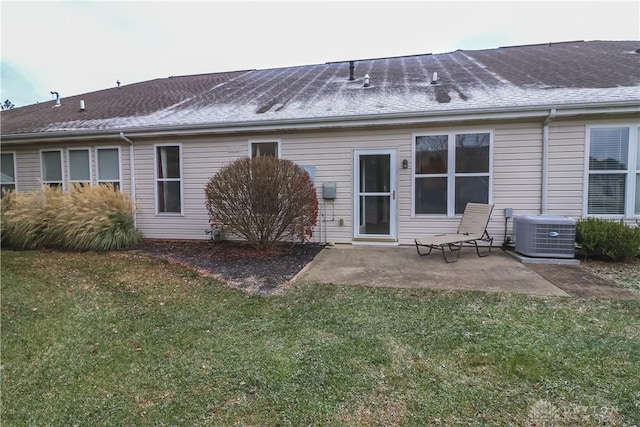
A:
{"x":329,"y":190}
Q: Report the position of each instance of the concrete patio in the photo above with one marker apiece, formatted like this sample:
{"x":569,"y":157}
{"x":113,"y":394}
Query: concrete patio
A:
{"x":402,"y":267}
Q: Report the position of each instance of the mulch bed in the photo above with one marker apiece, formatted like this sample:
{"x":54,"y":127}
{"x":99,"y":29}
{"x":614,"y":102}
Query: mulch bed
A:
{"x":269,"y":272}
{"x":237,"y":263}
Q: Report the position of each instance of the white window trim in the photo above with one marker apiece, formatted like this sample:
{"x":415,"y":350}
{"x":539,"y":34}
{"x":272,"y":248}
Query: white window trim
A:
{"x":156,"y":179}
{"x":451,"y":174}
{"x":69,"y":150}
{"x":104,"y":181}
{"x":631,"y":172}
{"x":15,"y":170}
{"x":263,"y":141}
{"x":62,"y":174}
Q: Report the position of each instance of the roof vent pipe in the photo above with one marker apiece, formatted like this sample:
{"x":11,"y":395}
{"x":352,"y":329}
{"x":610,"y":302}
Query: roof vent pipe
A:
{"x":82,"y":105}
{"x":118,"y":83}
{"x":57,"y":95}
{"x":366,"y":80}
{"x":434,"y":78}
{"x":352,"y":68}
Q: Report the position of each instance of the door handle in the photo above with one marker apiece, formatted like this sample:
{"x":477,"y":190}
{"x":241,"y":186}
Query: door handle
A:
{"x":394,"y":194}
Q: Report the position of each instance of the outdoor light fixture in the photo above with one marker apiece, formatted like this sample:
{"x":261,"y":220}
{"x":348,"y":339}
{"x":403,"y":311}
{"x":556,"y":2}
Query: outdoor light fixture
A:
{"x":405,"y":164}
{"x":366,"y":80}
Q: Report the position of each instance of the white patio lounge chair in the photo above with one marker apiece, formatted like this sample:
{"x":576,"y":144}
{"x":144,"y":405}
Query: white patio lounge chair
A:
{"x":472,"y":228}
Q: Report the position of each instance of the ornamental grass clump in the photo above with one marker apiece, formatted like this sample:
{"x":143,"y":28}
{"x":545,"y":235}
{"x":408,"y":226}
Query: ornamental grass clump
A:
{"x":97,"y":218}
{"x":607,"y":240}
{"x":23,"y":226}
{"x":85,"y":218}
{"x":263,"y":200}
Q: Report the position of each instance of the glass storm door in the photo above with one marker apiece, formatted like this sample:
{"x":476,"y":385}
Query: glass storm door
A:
{"x":375,"y":195}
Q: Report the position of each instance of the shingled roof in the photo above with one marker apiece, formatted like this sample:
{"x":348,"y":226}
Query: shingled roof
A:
{"x":555,"y":74}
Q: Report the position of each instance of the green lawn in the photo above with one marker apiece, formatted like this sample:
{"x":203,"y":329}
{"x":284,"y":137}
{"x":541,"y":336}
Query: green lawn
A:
{"x":119,"y":340}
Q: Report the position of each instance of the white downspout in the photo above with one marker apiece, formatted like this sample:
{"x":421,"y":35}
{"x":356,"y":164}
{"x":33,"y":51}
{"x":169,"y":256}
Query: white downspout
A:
{"x":132,"y":176}
{"x":545,"y":160}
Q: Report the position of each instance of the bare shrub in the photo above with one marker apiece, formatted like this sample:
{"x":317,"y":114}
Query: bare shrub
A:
{"x":264,"y":200}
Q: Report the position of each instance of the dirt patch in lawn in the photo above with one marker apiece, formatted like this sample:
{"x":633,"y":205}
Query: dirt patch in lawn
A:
{"x":237,"y":263}
{"x":588,"y":280}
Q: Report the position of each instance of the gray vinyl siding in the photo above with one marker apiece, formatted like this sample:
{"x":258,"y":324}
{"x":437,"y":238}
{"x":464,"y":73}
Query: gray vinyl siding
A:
{"x":29,"y":175}
{"x":516,"y":177}
{"x":567,"y":149}
{"x":566,"y":168}
{"x":516,"y":174}
{"x":331,"y":154}
{"x":201,"y":158}
{"x":517,"y":167}
{"x":516,"y":181}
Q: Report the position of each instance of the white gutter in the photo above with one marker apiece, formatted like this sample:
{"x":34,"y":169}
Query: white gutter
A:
{"x":545,"y":160}
{"x":132,"y":176}
{"x":389,"y":119}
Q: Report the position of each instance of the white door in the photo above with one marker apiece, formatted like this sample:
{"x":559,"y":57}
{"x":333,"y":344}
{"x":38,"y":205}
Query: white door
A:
{"x":374,"y":195}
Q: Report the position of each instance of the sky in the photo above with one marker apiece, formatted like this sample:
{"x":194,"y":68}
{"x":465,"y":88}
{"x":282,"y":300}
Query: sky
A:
{"x":75,"y":47}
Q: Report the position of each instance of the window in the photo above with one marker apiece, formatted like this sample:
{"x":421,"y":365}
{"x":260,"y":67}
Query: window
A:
{"x":7,"y":172}
{"x":613,"y":169}
{"x":450,"y":170}
{"x":52,"y":168}
{"x":79,"y":166}
{"x":109,"y":166}
{"x":168,"y":179}
{"x":264,"y":148}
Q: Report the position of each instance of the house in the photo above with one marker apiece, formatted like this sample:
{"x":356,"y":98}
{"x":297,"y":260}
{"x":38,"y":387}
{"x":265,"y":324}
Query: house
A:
{"x":397,"y":145}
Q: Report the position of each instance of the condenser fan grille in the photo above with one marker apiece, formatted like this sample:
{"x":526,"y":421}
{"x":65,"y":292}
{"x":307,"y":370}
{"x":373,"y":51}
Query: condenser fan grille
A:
{"x":548,"y":236}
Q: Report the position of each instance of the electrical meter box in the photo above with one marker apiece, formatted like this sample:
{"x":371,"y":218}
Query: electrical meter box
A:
{"x":329,"y":190}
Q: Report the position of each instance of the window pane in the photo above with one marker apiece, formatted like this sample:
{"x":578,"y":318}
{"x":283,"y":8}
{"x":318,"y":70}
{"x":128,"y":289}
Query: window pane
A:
{"x":6,"y":187}
{"x":375,"y":214}
{"x":431,"y":196}
{"x":79,"y":165}
{"x":472,"y":152}
{"x":51,"y":166}
{"x":473,"y":189}
{"x":108,"y":164}
{"x":169,"y":196}
{"x":375,"y":173}
{"x":431,"y":154}
{"x":169,"y":162}
{"x":609,"y":149}
{"x":7,"y":173}
{"x":264,"y":149}
{"x":606,"y":194}
{"x":114,"y":184}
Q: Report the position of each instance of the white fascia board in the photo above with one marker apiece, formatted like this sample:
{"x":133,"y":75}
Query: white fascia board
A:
{"x":389,"y":119}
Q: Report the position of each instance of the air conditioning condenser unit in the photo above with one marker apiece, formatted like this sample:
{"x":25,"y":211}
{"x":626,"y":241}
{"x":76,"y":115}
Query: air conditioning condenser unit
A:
{"x":547,"y":236}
